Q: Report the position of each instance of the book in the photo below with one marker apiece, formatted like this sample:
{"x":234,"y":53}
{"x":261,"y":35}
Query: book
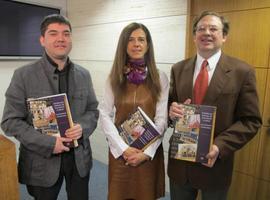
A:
{"x":138,"y":131}
{"x":193,"y":133}
{"x":51,"y":115}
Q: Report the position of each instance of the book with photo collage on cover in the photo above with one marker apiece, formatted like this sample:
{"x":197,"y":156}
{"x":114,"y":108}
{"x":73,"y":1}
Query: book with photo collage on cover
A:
{"x":193,"y":133}
{"x":51,"y":115}
{"x":138,"y":130}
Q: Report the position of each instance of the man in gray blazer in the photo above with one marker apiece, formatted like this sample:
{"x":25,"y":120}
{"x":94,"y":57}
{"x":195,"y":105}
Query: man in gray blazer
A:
{"x":44,"y":160}
{"x":231,"y":87}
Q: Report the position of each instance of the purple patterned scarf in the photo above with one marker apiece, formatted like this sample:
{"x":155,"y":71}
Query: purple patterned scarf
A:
{"x":135,"y":71}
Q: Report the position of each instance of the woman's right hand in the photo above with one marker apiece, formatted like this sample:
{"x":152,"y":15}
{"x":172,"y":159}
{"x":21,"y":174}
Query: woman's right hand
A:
{"x":130,"y":151}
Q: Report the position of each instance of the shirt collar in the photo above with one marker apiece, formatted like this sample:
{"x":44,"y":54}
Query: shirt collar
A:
{"x":67,"y":64}
{"x":212,"y":61}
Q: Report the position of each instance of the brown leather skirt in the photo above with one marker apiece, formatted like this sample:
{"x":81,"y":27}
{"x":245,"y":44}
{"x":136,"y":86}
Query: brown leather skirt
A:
{"x":144,"y":182}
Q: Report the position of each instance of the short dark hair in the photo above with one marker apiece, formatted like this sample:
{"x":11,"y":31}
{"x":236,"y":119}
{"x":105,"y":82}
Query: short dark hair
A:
{"x":223,"y":20}
{"x":53,"y":18}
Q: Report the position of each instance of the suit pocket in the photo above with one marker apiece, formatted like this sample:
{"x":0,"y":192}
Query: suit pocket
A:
{"x":38,"y":167}
{"x":31,"y":165}
{"x":228,"y":90}
{"x":228,"y":96}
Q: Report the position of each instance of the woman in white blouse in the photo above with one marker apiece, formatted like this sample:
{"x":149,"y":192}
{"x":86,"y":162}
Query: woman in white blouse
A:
{"x":134,"y":81}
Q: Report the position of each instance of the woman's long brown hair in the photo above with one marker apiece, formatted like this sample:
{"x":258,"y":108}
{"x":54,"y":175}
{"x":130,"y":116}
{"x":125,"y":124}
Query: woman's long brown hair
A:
{"x":118,"y":79}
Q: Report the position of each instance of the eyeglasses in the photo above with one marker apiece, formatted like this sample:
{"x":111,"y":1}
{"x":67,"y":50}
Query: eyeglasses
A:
{"x":212,"y":29}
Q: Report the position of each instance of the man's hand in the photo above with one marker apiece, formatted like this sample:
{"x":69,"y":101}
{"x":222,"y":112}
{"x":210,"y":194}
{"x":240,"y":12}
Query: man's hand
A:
{"x":136,"y":159}
{"x":59,"y":146}
{"x":176,"y":110}
{"x":74,"y":132}
{"x":212,"y":156}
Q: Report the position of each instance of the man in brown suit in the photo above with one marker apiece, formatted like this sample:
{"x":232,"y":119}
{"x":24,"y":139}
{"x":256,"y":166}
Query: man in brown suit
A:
{"x":232,"y":89}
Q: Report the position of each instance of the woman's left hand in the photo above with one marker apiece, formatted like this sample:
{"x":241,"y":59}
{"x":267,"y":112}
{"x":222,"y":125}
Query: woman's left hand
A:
{"x":136,"y":159}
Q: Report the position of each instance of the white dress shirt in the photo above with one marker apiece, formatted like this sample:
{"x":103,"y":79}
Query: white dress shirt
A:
{"x":212,"y":63}
{"x":107,"y":111}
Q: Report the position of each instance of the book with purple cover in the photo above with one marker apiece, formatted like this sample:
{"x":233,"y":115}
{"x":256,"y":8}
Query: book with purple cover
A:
{"x":138,"y":130}
{"x":193,"y":133}
{"x":51,"y":115}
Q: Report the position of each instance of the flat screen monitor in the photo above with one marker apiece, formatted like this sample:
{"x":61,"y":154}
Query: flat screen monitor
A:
{"x":19,"y":28}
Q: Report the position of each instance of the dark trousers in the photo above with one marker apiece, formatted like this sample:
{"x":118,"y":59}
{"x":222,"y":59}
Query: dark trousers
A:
{"x":76,"y":187}
{"x":187,"y":192}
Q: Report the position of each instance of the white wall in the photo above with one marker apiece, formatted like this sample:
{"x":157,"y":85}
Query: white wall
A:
{"x":96,"y":28}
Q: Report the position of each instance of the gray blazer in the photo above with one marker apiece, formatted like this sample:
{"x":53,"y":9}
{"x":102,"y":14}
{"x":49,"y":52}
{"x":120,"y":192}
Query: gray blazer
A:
{"x":37,"y":164}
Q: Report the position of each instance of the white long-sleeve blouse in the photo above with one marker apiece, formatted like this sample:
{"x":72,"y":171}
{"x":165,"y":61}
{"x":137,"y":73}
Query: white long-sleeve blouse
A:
{"x":107,"y":111}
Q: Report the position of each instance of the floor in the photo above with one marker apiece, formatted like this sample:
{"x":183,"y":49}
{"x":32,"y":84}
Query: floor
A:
{"x":98,"y":185}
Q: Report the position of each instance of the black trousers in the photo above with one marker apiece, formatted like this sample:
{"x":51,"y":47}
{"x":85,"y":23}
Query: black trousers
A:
{"x":188,"y":192}
{"x":76,"y":186}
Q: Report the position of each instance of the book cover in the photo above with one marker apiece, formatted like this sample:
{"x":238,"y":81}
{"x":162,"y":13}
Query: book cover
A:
{"x":138,"y":130}
{"x":51,"y":115}
{"x":193,"y":133}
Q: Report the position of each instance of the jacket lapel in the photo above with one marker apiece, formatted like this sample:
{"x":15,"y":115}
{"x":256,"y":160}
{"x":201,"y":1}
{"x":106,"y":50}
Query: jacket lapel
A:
{"x":219,"y":80}
{"x":51,"y":76}
{"x":186,"y":89}
{"x":71,"y":80}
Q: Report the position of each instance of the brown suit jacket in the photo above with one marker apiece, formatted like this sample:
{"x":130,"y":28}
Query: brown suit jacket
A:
{"x":233,"y":90}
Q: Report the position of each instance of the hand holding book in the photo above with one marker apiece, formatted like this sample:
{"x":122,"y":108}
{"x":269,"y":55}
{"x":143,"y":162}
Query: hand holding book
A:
{"x":136,"y":159}
{"x":129,"y":152}
{"x":59,"y":146}
{"x":134,"y":156}
{"x":176,"y":109}
{"x":212,"y":156}
{"x":74,"y":132}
